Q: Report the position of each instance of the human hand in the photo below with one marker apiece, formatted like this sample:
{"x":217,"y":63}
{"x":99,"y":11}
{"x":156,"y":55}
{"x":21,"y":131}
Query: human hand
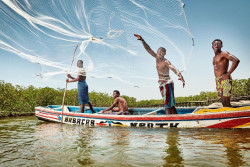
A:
{"x":182,"y":80}
{"x":69,"y":76}
{"x":67,"y":80}
{"x":101,"y":112}
{"x":224,"y":76}
{"x":138,"y":37}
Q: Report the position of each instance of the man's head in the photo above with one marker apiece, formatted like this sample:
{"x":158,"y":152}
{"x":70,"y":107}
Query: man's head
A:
{"x":217,"y":45}
{"x":161,"y":52}
{"x":116,"y":94}
{"x":80,"y":63}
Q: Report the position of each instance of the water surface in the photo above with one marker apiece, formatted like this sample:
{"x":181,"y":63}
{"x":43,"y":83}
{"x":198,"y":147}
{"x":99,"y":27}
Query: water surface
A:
{"x":26,"y":141}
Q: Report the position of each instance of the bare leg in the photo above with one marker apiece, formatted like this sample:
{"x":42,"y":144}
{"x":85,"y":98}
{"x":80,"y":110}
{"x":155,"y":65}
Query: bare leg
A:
{"x":108,"y":112}
{"x":91,"y":107}
{"x":226,"y":101}
{"x":82,"y":108}
{"x":222,"y":101}
{"x":173,"y":110}
{"x":168,"y":111}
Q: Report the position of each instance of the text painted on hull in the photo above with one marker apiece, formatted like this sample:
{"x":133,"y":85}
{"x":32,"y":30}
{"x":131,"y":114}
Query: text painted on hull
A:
{"x":92,"y":122}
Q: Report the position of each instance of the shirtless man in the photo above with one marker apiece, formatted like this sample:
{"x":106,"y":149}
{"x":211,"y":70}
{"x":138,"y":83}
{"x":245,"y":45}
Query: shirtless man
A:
{"x":223,"y":76}
{"x":166,"y":83}
{"x":120,"y":102}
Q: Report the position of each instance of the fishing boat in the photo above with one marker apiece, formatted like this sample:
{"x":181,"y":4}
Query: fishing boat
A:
{"x":190,"y":117}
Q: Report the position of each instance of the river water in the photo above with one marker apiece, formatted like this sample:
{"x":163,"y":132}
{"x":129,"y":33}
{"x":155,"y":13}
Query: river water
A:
{"x":26,"y":141}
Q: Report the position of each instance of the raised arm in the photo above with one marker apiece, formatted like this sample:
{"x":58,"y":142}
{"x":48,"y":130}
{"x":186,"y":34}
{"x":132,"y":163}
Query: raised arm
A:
{"x":176,"y":71}
{"x":146,"y":46}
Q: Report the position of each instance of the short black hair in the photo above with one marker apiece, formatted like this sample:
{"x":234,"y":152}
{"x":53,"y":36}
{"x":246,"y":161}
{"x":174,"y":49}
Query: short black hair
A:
{"x":163,"y":49}
{"x":80,"y":61}
{"x":117,"y":92}
{"x":217,"y":40}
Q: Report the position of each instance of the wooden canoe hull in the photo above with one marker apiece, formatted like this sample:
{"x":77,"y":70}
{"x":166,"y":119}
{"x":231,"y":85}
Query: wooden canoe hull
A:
{"x":227,"y":119}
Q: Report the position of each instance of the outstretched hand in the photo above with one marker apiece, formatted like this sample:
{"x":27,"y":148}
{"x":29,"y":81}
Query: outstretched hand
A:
{"x":182,"y":80}
{"x":138,"y":37}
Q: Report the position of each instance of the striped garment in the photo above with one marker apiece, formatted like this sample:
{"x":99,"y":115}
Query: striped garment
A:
{"x":167,"y":92}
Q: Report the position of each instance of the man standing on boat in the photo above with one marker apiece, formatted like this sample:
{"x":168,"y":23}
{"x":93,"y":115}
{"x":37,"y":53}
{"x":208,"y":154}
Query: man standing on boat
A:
{"x":222,"y":75}
{"x":166,"y":83}
{"x":122,"y":107}
{"x":83,"y":94}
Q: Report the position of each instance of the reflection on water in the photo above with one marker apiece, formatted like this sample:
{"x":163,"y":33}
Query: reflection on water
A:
{"x":173,"y":157}
{"x":233,"y":154}
{"x":221,"y":147}
{"x":84,"y":147}
{"x":120,"y":141}
{"x":232,"y":143}
{"x":26,"y":141}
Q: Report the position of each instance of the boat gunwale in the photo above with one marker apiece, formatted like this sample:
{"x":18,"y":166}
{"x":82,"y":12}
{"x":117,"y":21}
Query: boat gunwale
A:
{"x":191,"y":116}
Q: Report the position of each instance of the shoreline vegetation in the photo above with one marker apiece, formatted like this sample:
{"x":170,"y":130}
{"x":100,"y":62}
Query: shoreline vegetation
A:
{"x":21,"y":101}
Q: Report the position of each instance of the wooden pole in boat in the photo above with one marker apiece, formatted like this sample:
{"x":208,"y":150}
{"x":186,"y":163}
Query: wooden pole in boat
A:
{"x":64,"y":94}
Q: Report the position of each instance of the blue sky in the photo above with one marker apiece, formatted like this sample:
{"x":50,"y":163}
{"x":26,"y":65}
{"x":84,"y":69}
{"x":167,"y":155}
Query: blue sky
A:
{"x":117,"y":67}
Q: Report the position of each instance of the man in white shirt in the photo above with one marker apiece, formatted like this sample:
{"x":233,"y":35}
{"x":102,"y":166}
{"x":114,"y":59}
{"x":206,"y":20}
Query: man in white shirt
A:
{"x":83,"y":94}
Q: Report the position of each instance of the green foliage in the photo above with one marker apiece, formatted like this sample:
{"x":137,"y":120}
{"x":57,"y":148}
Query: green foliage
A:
{"x":143,"y":103}
{"x":203,"y":96}
{"x":241,"y":87}
{"x":100,"y":99}
{"x":18,"y":100}
{"x":131,"y":101}
{"x":15,"y":113}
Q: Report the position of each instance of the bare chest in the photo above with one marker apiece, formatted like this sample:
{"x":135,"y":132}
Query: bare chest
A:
{"x":161,"y":65}
{"x":219,"y":60}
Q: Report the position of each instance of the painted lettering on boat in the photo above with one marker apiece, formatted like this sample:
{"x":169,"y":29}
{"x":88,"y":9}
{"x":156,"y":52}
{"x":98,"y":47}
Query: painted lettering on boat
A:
{"x":79,"y":121}
{"x":83,"y":121}
{"x":151,"y":125}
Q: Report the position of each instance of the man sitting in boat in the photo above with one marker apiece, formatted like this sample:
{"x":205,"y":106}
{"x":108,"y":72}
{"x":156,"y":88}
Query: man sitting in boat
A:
{"x":83,"y":94}
{"x":222,"y":75}
{"x":122,"y":107}
{"x":166,"y":84}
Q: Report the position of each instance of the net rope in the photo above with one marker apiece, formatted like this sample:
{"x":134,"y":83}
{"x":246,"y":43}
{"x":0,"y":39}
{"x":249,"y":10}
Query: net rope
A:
{"x":46,"y":33}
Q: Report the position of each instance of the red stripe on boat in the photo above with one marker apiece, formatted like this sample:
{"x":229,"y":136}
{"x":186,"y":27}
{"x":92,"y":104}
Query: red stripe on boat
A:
{"x":46,"y":116}
{"x":101,"y":124}
{"x":231,"y":123}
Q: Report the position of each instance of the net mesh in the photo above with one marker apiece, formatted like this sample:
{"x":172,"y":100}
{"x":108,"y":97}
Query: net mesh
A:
{"x":47,"y":32}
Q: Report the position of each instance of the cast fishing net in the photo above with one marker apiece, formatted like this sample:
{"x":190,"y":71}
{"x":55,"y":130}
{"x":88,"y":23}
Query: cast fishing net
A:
{"x":46,"y":32}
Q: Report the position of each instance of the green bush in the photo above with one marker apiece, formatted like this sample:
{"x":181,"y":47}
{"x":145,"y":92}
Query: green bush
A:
{"x":18,"y":100}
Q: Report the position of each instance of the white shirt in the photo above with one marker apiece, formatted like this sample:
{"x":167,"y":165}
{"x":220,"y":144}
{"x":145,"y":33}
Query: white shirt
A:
{"x":81,"y":72}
